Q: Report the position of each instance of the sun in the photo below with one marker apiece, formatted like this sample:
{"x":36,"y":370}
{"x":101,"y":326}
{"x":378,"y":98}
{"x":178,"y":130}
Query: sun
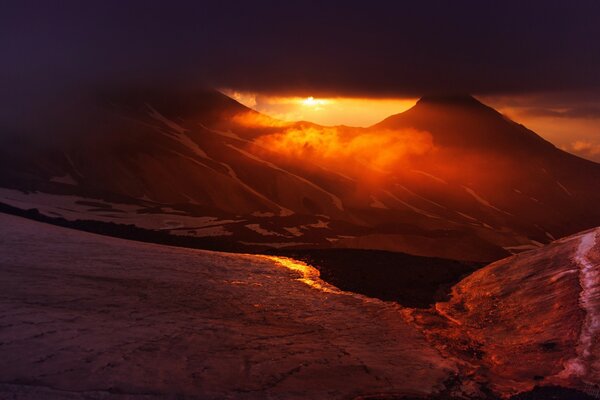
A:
{"x":312,"y":102}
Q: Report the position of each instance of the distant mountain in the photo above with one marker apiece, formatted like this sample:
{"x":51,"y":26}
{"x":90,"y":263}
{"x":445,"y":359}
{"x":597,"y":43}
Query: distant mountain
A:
{"x":450,"y":177}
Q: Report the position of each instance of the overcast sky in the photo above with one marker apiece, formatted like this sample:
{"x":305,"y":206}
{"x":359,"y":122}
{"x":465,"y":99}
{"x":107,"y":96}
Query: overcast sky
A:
{"x":498,"y":49}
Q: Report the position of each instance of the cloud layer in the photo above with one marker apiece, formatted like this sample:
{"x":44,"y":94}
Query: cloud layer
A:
{"x":305,"y":47}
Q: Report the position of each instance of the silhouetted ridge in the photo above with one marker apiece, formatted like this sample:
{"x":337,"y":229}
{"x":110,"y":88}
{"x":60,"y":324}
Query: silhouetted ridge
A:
{"x":462,"y":121}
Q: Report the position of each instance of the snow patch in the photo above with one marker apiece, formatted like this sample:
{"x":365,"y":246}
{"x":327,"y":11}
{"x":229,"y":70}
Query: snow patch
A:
{"x":262,"y":231}
{"x":177,"y":133}
{"x":435,"y":178}
{"x":560,"y":185}
{"x":483,"y":201}
{"x":320,"y":224}
{"x":66,"y":179}
{"x":376,"y":203}
{"x":521,"y":247}
{"x":227,"y":134}
{"x":211,"y":231}
{"x":174,"y":126}
{"x":550,"y":236}
{"x":262,"y":214}
{"x":411,"y":207}
{"x":294,"y":231}
{"x":336,"y":200}
{"x":589,"y":276}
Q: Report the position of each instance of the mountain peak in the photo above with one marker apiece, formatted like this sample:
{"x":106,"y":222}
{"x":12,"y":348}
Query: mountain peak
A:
{"x":460,"y":120}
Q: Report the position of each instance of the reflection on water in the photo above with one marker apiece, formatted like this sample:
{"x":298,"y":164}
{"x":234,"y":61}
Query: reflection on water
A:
{"x":309,"y":275}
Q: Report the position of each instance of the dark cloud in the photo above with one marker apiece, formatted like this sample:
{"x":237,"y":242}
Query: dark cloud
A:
{"x":574,"y":112}
{"x":53,"y":53}
{"x":581,"y":104}
{"x":374,"y":48}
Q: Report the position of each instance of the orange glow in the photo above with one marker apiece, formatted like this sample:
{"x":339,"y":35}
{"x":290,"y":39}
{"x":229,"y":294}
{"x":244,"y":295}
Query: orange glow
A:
{"x":350,"y":111}
{"x":348,"y":149}
{"x":576,"y":134}
{"x":366,"y":155}
{"x":314,"y":103}
{"x":257,"y":120}
{"x":309,"y":275}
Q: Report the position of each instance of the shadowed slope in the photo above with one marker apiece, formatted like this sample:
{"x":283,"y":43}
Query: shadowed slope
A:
{"x":450,"y":178}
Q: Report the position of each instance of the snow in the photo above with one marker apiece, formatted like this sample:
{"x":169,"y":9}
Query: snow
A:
{"x":589,"y":278}
{"x":232,"y":175}
{"x":65,"y":179}
{"x":260,"y":230}
{"x":227,"y":134}
{"x":205,"y":232}
{"x":335,"y":199}
{"x":376,"y":203}
{"x":177,"y":132}
{"x":407,"y":190}
{"x":411,"y":207}
{"x":549,"y":235}
{"x":72,"y":164}
{"x":71,"y":208}
{"x":294,"y":231}
{"x":560,"y":185}
{"x":88,"y":316}
{"x":521,"y":247}
{"x":320,"y":224}
{"x":275,"y":245}
{"x":263,"y":214}
{"x":435,"y":178}
{"x":483,"y":201}
{"x":174,"y":126}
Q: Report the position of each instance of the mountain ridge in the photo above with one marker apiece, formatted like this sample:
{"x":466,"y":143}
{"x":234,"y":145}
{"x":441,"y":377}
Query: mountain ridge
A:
{"x":171,"y":162}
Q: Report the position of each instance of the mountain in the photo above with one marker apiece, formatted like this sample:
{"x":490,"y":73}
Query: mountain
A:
{"x":90,"y":316}
{"x":450,"y":177}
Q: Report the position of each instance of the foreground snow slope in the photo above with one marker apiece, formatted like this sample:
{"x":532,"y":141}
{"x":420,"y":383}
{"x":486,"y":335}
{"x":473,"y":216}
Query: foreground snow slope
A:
{"x":89,"y":316}
{"x":531,"y":319}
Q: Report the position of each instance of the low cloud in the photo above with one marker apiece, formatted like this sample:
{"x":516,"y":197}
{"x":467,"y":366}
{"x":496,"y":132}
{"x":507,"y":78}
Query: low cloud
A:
{"x":347,"y":149}
{"x":575,"y":112}
{"x":585,"y":148}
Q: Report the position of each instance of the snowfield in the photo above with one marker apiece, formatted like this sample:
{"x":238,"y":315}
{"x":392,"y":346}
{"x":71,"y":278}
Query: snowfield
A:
{"x":88,"y":316}
{"x":94,"y":317}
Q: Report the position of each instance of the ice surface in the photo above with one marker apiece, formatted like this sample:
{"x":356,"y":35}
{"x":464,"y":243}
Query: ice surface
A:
{"x":88,"y":316}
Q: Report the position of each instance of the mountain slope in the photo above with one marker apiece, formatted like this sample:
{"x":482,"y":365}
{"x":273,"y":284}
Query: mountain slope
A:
{"x":87,"y":316}
{"x":531,"y":319}
{"x":450,"y":177}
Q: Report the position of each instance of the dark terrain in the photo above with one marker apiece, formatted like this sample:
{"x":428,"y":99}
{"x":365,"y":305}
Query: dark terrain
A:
{"x":412,"y":281}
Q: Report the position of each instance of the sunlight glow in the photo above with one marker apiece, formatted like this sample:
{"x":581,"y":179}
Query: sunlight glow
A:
{"x":349,"y":111}
{"x":312,"y":102}
{"x":309,"y":275}
{"x":355,"y":151}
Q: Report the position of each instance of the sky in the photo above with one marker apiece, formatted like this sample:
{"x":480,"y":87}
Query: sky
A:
{"x":537,"y":61}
